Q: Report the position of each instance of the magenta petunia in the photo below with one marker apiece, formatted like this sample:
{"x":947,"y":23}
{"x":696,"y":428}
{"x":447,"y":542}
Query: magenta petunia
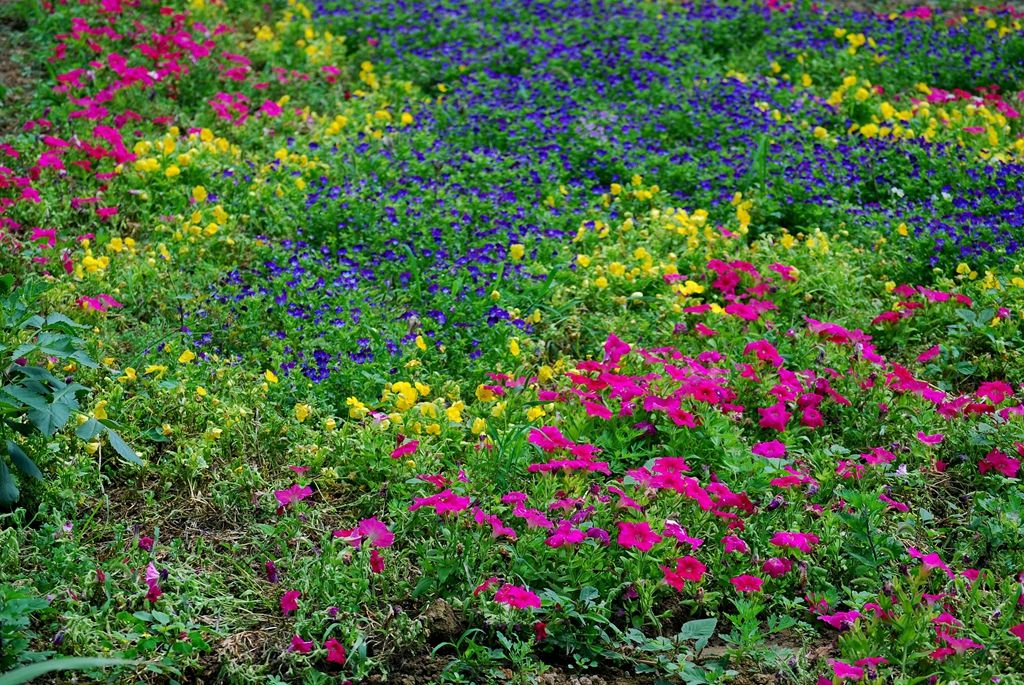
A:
{"x":517,"y":597}
{"x":375,"y":532}
{"x":443,"y":502}
{"x":335,"y":652}
{"x":290,"y":601}
{"x":747,"y":583}
{"x":637,"y":535}
{"x":405,"y":450}
{"x":772,"y":449}
{"x":300,"y":646}
{"x":296,"y":493}
{"x":795,"y":540}
{"x":930,"y":439}
{"x":844,"y":671}
{"x":774,"y":417}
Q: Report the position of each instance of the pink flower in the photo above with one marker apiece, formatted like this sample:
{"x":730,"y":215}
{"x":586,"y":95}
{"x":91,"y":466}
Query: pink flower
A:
{"x":928,"y":354}
{"x":335,"y":652}
{"x":841,"y":619}
{"x":296,"y":493}
{"x":406,"y":449}
{"x":930,"y":561}
{"x":844,"y":671}
{"x":443,"y":502}
{"x":540,"y":630}
{"x":271,"y":108}
{"x":997,"y":461}
{"x":1018,"y":630}
{"x":565,"y":535}
{"x":375,"y":533}
{"x":765,"y":351}
{"x":301,"y":646}
{"x":791,"y":540}
{"x":687,"y":568}
{"x":637,"y":535}
{"x":290,"y":601}
{"x":776,"y":567}
{"x":516,"y":597}
{"x":774,"y":417}
{"x":146,"y":543}
{"x":482,"y":587}
{"x":747,"y":583}
{"x":996,"y":391}
{"x":733,"y":543}
{"x":676,"y":531}
{"x":930,"y":439}
{"x":153,"y":583}
{"x":376,"y":561}
{"x":772,"y":449}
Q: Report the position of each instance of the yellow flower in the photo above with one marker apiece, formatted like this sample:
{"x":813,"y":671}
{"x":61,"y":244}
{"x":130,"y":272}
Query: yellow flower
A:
{"x":129,"y":374}
{"x":201,"y":391}
{"x":356,"y":409}
{"x":479,"y":426}
{"x":302,"y":412}
{"x":454,"y":412}
{"x":903,"y":230}
{"x":406,"y":395}
{"x":583,"y":260}
{"x":513,"y":347}
{"x":199,"y":194}
{"x":172,"y":171}
{"x":100,"y":412}
{"x":820,"y":132}
{"x":406,"y":119}
{"x":420,"y":343}
{"x":485,"y":394}
{"x":186,"y":356}
{"x":516,"y":251}
{"x":544,"y":374}
{"x":270,"y":376}
{"x":157,"y":370}
{"x":534,"y":413}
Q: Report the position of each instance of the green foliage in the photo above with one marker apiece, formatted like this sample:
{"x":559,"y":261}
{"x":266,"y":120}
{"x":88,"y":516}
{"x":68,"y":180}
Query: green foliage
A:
{"x":34,"y":401}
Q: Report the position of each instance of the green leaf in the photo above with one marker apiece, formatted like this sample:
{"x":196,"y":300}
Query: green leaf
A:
{"x":122,"y":448}
{"x":27,"y":396}
{"x":22,"y":461}
{"x":8,"y":490}
{"x":89,"y":430}
{"x":79,"y":663}
{"x":58,"y":320}
{"x":700,"y":631}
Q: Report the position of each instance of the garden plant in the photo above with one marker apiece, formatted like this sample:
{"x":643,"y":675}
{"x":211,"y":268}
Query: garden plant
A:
{"x":523,"y":341}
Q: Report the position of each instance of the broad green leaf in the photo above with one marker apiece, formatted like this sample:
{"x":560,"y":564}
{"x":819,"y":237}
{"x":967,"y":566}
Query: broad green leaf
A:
{"x":8,"y":490}
{"x":700,"y":631}
{"x":122,"y":448}
{"x":89,"y":430}
{"x":22,"y":461}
